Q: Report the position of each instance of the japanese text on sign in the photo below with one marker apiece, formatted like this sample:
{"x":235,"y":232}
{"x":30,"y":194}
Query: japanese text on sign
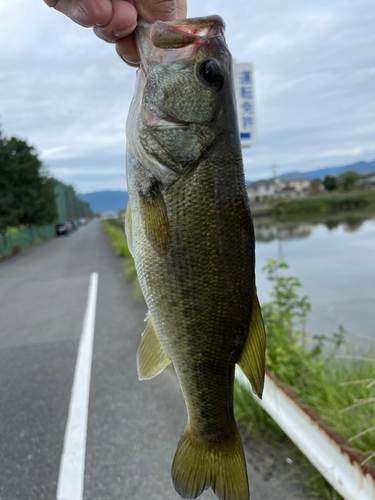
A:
{"x":244,"y":85}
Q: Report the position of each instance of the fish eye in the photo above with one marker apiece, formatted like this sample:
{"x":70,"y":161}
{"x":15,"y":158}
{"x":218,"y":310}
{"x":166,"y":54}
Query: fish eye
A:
{"x":210,"y":74}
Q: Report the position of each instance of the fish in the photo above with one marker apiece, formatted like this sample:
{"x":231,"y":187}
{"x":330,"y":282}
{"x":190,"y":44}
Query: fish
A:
{"x":190,"y":231}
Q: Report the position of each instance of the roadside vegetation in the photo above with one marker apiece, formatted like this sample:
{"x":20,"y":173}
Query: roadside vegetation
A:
{"x":325,"y":204}
{"x":339,"y":387}
{"x":116,"y":233}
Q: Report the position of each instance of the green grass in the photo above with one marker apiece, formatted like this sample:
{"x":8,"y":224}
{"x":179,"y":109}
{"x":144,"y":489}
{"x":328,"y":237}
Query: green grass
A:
{"x":117,"y":238}
{"x":320,"y":370}
{"x":115,"y":231}
{"x":326,"y":204}
{"x":328,"y":398}
{"x":312,"y":365}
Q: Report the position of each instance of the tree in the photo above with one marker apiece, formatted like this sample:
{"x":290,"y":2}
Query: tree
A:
{"x":8,"y":214}
{"x":315,"y":186}
{"x":330,"y":182}
{"x":348,"y":179}
{"x":26,"y":191}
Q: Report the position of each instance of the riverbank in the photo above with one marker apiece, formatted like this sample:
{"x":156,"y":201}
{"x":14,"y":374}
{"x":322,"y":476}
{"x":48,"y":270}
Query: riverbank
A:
{"x":317,"y":206}
{"x":322,"y":381}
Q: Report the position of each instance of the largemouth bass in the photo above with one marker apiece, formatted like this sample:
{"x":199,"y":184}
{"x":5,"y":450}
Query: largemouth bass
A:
{"x":189,"y":228}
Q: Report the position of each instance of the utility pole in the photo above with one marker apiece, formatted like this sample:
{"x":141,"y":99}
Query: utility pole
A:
{"x":274,"y":171}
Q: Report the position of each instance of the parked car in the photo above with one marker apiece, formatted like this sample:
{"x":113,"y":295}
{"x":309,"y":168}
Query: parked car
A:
{"x":62,"y":228}
{"x":69,"y":225}
{"x":74,"y":225}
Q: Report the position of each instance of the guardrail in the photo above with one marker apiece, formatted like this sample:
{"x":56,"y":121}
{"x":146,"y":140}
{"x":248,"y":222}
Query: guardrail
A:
{"x":330,"y":453}
{"x":14,"y":241}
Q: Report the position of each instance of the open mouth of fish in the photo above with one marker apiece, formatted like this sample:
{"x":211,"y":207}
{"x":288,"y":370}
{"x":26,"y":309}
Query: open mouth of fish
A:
{"x":167,"y":42}
{"x":182,"y":32}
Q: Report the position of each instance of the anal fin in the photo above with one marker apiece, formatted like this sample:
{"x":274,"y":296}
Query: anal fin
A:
{"x":151,"y":356}
{"x":252,"y":360}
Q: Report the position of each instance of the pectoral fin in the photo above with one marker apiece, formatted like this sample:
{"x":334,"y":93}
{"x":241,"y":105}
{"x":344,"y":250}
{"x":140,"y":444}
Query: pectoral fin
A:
{"x":128,"y":227}
{"x":151,"y":356}
{"x":155,"y":221}
{"x":252,"y":360}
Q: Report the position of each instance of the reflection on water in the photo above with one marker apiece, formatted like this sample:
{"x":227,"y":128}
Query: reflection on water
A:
{"x":335,"y":260}
{"x":268,"y":230}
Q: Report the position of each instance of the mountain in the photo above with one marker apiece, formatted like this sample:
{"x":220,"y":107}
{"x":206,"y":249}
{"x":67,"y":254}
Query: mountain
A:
{"x":360,"y":167}
{"x":102,"y":201}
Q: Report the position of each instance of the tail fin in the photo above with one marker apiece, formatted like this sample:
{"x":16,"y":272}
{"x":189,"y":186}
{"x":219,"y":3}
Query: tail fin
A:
{"x":199,"y":464}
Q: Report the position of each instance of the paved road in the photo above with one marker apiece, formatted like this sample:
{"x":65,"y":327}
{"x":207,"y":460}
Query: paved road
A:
{"x":133,"y":427}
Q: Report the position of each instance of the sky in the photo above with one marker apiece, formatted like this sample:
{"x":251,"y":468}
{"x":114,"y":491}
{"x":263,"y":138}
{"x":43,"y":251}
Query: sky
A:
{"x":68,"y":93}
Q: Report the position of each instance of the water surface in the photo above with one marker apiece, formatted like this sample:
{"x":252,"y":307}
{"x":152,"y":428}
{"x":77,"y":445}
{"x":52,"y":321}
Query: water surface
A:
{"x":335,"y":261}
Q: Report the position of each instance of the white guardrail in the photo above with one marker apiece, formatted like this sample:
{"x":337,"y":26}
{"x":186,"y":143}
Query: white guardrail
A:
{"x":334,"y":458}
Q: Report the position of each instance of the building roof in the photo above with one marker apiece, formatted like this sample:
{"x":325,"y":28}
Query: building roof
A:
{"x":258,"y":184}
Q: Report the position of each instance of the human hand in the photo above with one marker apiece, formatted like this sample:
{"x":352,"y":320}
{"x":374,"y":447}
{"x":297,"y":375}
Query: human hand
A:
{"x":115,"y":20}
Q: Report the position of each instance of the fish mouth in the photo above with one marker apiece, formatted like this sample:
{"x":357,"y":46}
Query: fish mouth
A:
{"x":178,"y":34}
{"x":155,"y":42}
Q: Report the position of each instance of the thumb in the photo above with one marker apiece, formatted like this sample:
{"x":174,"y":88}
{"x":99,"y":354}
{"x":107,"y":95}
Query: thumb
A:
{"x":162,"y":10}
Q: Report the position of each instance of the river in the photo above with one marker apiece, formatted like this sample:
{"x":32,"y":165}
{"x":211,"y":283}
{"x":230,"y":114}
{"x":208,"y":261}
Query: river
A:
{"x":335,"y":261}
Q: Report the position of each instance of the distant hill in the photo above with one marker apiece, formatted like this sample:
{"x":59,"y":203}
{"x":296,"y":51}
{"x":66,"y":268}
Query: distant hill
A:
{"x":102,"y":201}
{"x":360,"y":167}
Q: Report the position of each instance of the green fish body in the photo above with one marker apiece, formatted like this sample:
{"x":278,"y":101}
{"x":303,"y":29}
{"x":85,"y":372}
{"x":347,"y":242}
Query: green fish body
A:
{"x":190,"y":231}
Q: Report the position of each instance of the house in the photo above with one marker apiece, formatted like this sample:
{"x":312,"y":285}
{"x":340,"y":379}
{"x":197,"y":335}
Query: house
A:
{"x":367,"y":180}
{"x":261,"y":190}
{"x":286,"y":186}
{"x":295,"y":185}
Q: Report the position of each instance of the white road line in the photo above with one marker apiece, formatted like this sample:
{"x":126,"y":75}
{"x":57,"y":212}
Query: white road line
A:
{"x":72,"y":465}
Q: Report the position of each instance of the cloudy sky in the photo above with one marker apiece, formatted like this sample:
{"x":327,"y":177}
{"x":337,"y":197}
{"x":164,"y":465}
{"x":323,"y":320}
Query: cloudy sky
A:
{"x":68,"y":92}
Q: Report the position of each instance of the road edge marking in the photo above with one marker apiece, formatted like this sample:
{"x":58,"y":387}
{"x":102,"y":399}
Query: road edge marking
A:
{"x":72,"y":465}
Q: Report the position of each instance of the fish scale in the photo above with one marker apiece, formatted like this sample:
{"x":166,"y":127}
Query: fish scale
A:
{"x":190,"y":231}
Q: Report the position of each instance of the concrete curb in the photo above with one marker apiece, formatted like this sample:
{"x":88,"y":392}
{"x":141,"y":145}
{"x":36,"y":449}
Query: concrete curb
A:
{"x":329,"y":452}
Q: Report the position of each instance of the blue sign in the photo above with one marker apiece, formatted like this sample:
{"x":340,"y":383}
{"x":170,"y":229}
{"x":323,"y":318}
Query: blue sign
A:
{"x":244,"y":85}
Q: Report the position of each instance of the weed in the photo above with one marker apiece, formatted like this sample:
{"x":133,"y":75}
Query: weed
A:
{"x":339,"y":387}
{"x":115,"y":231}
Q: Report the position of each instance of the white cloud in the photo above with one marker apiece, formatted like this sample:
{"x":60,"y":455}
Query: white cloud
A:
{"x":341,"y":152}
{"x":69,"y":93}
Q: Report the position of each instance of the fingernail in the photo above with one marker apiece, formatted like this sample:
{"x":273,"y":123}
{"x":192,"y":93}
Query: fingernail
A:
{"x":130,"y":63}
{"x":122,"y":34}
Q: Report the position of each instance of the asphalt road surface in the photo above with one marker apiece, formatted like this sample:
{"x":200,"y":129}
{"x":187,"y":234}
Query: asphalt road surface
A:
{"x":133,"y":427}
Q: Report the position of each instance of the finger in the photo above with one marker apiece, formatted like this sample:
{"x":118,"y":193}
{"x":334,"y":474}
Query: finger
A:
{"x":123,"y":22}
{"x":127,"y":50}
{"x":84,"y":12}
{"x":159,"y":10}
{"x":181,"y":9}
